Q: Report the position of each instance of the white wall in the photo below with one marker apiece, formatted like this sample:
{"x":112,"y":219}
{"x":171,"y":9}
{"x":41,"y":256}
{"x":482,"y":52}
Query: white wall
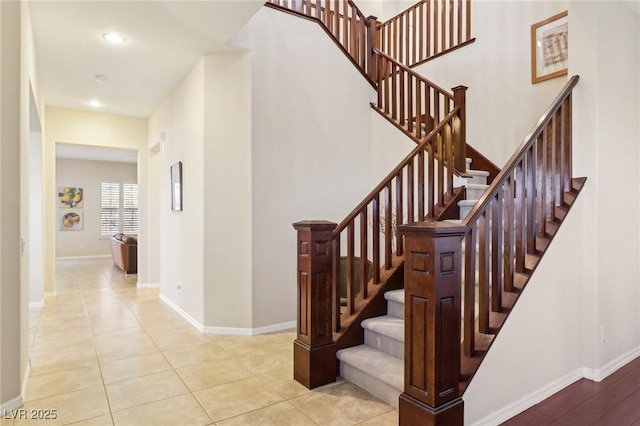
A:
{"x":181,"y":119}
{"x":88,"y":175}
{"x":502,"y":104}
{"x":98,"y":129}
{"x":537,"y":354}
{"x":310,"y":147}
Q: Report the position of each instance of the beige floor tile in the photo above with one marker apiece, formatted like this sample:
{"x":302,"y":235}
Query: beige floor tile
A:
{"x":114,"y":348}
{"x":340,"y":404}
{"x":282,"y":381}
{"x":166,"y":327}
{"x":98,"y":326}
{"x":60,"y":347}
{"x":70,"y":407}
{"x":239,"y":345}
{"x":240,"y":397}
{"x":129,"y":368}
{"x":105,"y":420}
{"x":192,"y":355}
{"x":281,"y":414}
{"x":266,"y":358}
{"x":61,"y":382}
{"x":208,"y":374}
{"x":167,"y":342}
{"x":141,"y":390}
{"x":389,"y":418}
{"x":181,"y":410}
{"x":50,"y":362}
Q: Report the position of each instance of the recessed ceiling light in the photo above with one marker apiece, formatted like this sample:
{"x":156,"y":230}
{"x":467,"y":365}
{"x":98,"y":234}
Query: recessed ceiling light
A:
{"x":95,"y":103}
{"x":101,"y":78}
{"x":114,"y":38}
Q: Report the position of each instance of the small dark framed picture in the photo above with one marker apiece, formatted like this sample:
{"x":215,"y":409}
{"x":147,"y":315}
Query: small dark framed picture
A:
{"x":176,"y":187}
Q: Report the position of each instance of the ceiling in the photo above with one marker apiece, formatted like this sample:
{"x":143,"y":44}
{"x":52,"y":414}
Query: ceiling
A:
{"x":99,"y":153}
{"x":164,"y":40}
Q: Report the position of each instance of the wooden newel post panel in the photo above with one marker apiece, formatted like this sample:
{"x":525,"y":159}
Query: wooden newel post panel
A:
{"x":460,"y":134}
{"x":314,"y":352}
{"x":432,"y":324}
{"x":372,"y":41}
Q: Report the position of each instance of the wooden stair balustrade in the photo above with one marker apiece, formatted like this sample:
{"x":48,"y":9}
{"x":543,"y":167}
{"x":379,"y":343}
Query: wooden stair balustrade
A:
{"x":508,"y":232}
{"x":426,"y":30}
{"x":419,"y":188}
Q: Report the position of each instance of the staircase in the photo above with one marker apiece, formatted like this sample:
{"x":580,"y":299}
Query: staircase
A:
{"x":461,"y":277}
{"x":377,"y":366}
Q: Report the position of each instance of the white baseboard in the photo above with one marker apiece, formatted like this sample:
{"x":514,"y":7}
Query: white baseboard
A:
{"x":251,"y":331}
{"x":182,"y":312}
{"x":230,"y":331}
{"x":599,"y":374}
{"x":96,"y":256}
{"x":528,"y":401}
{"x":18,"y":401}
{"x":147,"y":285}
{"x":38,"y":304}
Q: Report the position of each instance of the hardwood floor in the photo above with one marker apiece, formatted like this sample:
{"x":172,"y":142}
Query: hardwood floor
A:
{"x":613,"y":401}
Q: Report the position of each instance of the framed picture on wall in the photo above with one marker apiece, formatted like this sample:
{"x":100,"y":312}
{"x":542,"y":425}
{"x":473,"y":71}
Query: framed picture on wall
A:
{"x":176,"y":187}
{"x":70,"y":220}
{"x":70,"y":197}
{"x":550,"y":48}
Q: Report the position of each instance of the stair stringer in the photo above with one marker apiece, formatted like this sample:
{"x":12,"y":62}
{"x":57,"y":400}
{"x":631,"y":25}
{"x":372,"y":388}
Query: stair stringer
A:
{"x":536,"y":353}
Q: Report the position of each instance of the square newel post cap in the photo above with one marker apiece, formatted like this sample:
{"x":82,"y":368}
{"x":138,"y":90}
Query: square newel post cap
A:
{"x":458,"y":88}
{"x":315,"y":225}
{"x":432,"y":229}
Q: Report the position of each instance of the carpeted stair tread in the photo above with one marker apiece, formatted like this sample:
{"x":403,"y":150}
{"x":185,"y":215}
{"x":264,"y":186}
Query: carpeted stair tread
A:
{"x":387,"y":326}
{"x":395,"y":296}
{"x":382,"y":366}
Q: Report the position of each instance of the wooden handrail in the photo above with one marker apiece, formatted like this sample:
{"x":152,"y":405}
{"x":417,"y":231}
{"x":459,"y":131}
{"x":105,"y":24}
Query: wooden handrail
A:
{"x":412,"y":191}
{"x":491,"y":254}
{"x":426,"y":30}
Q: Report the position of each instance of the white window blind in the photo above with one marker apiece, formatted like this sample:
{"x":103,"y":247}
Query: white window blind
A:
{"x":119,"y":208}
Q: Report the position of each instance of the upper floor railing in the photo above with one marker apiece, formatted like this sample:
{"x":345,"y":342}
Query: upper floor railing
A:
{"x":426,"y":30}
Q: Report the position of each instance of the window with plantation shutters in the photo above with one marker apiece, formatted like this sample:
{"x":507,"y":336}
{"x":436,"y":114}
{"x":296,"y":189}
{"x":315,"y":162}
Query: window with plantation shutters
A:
{"x":118,"y":208}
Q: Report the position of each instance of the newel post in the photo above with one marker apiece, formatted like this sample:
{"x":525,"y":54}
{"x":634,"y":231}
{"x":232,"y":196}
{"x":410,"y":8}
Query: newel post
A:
{"x":433,"y":263}
{"x":314,"y":352}
{"x":460,"y":137}
{"x":372,"y":42}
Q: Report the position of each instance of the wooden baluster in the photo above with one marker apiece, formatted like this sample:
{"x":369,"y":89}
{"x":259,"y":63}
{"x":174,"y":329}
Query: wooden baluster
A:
{"x":414,"y":33}
{"x":424,"y":38}
{"x":407,"y":39}
{"x":427,"y":120}
{"x":345,"y":24}
{"x":401,"y":39}
{"x":468,"y":20}
{"x":432,"y":326}
{"x":418,"y":118}
{"x":440,"y":140}
{"x":314,"y":352}
{"x":483,"y":284}
{"x":421,"y":214}
{"x":336,"y":20}
{"x":431,"y":168}
{"x":469,"y":345}
{"x":541,"y":183}
{"x":508,"y":256}
{"x":530,"y":193}
{"x":364,"y":35}
{"x":385,"y":62}
{"x":436,"y":33}
{"x":318,"y":6}
{"x":401,"y":83}
{"x":549,"y":201}
{"x":557,"y":175}
{"x":410,"y":92}
{"x":375,"y":212}
{"x":451,"y":26}
{"x":380,"y":79}
{"x":388,"y":226}
{"x":450,"y":157}
{"x":567,"y":172}
{"x":459,"y":39}
{"x":399,"y":214}
{"x":435,"y":115}
{"x":337,"y":313}
{"x":350,"y":269}
{"x":410,"y":193}
{"x":394,"y":91}
{"x":520,"y":214}
{"x":364,"y":277}
{"x":496,"y":252}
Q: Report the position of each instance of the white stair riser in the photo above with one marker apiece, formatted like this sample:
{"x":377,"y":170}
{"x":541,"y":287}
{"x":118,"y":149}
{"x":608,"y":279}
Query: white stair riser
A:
{"x":384,"y":343}
{"x":474,"y":193}
{"x":395,"y":309}
{"x":375,"y":387}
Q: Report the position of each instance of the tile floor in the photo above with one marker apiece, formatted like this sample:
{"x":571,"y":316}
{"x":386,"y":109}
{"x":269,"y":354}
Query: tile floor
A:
{"x":106,"y":353}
